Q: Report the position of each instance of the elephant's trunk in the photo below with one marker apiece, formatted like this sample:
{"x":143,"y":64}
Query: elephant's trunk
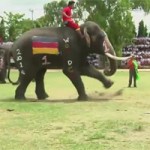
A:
{"x":112,"y":67}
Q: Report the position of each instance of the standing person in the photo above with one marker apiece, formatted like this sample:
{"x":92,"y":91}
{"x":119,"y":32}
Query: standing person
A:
{"x":68,"y":17}
{"x":133,"y":71}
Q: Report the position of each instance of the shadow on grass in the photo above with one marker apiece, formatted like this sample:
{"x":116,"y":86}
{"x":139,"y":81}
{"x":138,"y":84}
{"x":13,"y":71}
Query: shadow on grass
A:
{"x":94,"y":97}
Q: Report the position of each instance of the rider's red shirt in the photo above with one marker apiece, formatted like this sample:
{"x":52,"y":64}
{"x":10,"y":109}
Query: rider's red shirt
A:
{"x":68,"y":11}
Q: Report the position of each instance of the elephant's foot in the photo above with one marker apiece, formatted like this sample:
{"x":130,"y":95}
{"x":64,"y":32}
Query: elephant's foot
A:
{"x":20,"y":97}
{"x":3,"y":82}
{"x":42,"y":96}
{"x":108,"y":84}
{"x":19,"y":94}
{"x":83,"y":98}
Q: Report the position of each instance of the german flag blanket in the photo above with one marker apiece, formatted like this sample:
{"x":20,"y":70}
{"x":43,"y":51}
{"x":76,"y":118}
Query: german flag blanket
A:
{"x":45,"y":45}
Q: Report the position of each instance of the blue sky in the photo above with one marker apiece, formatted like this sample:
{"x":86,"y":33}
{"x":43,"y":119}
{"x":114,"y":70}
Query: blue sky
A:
{"x":24,"y":7}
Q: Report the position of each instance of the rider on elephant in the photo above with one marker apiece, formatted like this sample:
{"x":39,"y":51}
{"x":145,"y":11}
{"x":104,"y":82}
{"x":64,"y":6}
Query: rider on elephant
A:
{"x":68,"y":18}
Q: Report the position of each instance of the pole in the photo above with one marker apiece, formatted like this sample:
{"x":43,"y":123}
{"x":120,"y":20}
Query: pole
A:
{"x":32,"y":11}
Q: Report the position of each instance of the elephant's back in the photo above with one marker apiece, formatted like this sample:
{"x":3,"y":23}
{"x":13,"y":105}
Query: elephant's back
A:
{"x":22,"y":48}
{"x":24,"y":43}
{"x":59,"y":32}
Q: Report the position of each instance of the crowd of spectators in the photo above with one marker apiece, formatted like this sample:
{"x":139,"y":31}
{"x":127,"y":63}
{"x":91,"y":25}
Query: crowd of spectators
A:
{"x":94,"y":60}
{"x":140,"y":48}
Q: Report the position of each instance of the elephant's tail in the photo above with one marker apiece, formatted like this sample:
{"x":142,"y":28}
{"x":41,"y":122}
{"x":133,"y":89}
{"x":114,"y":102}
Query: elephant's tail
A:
{"x":9,"y":70}
{"x":9,"y":79}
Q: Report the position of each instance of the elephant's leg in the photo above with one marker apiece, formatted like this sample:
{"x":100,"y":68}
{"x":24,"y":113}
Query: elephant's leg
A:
{"x":21,"y":89}
{"x":2,"y":76}
{"x":75,"y":78}
{"x":40,"y":89}
{"x":90,"y":71}
{"x":3,"y":72}
{"x":24,"y":82}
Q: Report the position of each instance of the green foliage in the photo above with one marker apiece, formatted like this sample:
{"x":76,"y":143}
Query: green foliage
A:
{"x":53,"y":15}
{"x":2,"y":29}
{"x":142,"y":30}
{"x":121,"y":28}
{"x":13,"y":25}
{"x":141,"y":4}
{"x":41,"y":21}
{"x":13,"y":28}
{"x":27,"y":24}
{"x":97,"y":11}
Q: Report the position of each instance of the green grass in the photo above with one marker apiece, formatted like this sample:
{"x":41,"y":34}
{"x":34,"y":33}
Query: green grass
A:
{"x":113,"y":119}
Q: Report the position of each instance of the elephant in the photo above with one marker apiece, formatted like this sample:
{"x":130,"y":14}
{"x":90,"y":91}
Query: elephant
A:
{"x":40,"y":48}
{"x":4,"y":61}
{"x":3,"y":66}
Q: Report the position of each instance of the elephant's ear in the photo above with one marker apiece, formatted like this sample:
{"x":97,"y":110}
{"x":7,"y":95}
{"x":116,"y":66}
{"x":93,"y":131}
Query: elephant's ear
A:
{"x":87,"y":37}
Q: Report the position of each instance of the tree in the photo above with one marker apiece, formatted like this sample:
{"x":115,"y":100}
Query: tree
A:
{"x":42,"y":22}
{"x":53,"y":13}
{"x":13,"y":25}
{"x":2,"y":29}
{"x":27,"y":24}
{"x":141,"y":4}
{"x":53,"y":16}
{"x":120,"y":26}
{"x":142,"y":30}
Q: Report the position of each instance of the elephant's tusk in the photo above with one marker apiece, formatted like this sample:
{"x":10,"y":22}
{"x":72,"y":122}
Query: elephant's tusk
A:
{"x":117,"y":58}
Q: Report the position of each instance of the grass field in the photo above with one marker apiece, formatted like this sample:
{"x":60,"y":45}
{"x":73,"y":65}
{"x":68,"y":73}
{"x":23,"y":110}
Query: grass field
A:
{"x":114,"y":119}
